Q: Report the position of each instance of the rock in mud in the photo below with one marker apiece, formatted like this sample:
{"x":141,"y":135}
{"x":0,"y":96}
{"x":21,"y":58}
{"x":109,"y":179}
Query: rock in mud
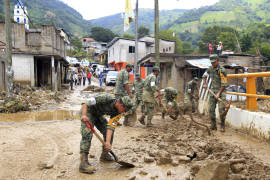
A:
{"x":164,"y":160}
{"x":175,"y":162}
{"x":195,"y":168}
{"x":213,"y":170}
{"x":142,"y":172}
{"x":134,"y":159}
{"x":132,"y":178}
{"x":201,"y":156}
{"x":148,"y":159}
{"x":183,"y":159}
{"x":237,"y":168}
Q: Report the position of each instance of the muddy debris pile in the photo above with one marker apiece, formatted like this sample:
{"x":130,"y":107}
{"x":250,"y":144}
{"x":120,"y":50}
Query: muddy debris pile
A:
{"x":181,"y":143}
{"x":94,"y":89}
{"x":29,"y":98}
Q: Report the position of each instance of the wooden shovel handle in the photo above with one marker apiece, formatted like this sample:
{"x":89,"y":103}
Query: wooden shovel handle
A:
{"x":89,"y":125}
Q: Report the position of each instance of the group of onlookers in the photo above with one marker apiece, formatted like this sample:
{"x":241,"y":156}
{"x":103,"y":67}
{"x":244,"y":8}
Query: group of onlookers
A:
{"x":79,"y":77}
{"x":219,"y":48}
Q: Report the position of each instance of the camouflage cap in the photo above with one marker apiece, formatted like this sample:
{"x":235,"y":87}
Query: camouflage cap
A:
{"x":196,"y":79}
{"x":129,"y":65}
{"x":156,"y":68}
{"x":213,"y":57}
{"x":171,"y":90}
{"x":127,"y":102}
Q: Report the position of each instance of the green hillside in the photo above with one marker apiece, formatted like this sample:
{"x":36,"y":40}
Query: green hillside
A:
{"x":46,"y":11}
{"x":235,"y":13}
{"x":146,"y":18}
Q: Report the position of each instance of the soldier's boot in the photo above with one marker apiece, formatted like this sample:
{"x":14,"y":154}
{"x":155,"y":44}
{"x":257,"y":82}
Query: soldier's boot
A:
{"x":149,"y":123}
{"x":85,"y":167}
{"x":163,"y":115}
{"x":213,"y":124}
{"x":105,"y":156}
{"x":222,"y":125}
{"x":141,"y":120}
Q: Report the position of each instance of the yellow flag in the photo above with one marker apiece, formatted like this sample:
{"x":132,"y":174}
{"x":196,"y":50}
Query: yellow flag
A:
{"x":129,"y":16}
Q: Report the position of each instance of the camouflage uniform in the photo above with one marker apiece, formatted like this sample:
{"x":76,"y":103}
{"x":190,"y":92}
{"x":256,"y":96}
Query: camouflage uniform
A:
{"x":138,"y":88}
{"x":121,"y":81}
{"x":215,"y":87}
{"x":169,"y":102}
{"x":149,"y":90}
{"x":104,"y":104}
{"x":189,"y":101}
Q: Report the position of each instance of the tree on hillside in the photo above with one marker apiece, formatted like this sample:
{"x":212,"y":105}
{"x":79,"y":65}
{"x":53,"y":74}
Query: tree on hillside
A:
{"x":143,"y":31}
{"x":128,"y":36}
{"x":214,"y":34}
{"x":187,"y":47}
{"x":169,"y":35}
{"x":102,"y":34}
{"x":245,"y":42}
{"x":228,"y":40}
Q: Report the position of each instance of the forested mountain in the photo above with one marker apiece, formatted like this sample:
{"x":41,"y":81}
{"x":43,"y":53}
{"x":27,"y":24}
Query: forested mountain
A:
{"x":48,"y":11}
{"x":146,"y":18}
{"x":235,"y":13}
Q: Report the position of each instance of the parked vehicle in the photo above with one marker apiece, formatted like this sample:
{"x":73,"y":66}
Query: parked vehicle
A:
{"x":99,"y":69}
{"x":111,"y":77}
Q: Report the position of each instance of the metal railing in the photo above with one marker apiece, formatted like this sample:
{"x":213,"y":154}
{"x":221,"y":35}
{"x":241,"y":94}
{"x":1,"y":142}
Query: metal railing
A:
{"x":251,"y":93}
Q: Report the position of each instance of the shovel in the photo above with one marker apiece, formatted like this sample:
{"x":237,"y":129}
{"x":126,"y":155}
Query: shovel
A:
{"x":122,"y":163}
{"x":227,"y":106}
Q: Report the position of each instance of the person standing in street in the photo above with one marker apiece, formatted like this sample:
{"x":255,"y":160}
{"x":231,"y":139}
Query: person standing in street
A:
{"x":219,"y":83}
{"x":138,"y":89}
{"x":122,"y":87}
{"x":75,"y":79}
{"x":101,"y":78}
{"x":71,"y":80}
{"x":219,"y":48}
{"x":191,"y":95}
{"x":93,"y":111}
{"x":89,"y":76}
{"x":84,"y":77}
{"x":80,"y":78}
{"x":210,"y":48}
{"x":150,"y":90}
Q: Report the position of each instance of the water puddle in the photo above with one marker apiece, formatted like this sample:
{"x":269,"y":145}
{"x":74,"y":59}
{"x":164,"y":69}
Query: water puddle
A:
{"x":39,"y":116}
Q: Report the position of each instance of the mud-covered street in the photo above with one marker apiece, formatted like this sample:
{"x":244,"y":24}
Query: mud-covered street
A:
{"x":47,"y":147}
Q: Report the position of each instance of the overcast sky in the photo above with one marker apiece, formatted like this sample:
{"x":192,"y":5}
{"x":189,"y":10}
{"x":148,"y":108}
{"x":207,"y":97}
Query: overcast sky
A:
{"x":92,"y":9}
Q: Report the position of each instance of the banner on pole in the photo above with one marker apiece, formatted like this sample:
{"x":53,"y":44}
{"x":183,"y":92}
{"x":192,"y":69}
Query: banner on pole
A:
{"x":129,"y":15}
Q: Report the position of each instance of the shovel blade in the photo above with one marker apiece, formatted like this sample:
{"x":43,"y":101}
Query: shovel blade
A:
{"x":122,"y":163}
{"x":125,"y":164}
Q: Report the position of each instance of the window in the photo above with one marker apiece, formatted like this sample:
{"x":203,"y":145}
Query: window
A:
{"x":169,"y":71}
{"x":18,"y":20}
{"x":163,"y":50}
{"x":25,"y":21}
{"x":131,"y":49}
{"x":169,"y":48}
{"x":18,"y":12}
{"x":18,"y":6}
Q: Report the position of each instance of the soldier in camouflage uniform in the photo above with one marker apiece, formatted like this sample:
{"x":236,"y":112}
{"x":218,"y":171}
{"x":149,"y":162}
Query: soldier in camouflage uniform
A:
{"x":190,"y":96}
{"x":93,"y":111}
{"x":218,"y":75}
{"x":149,"y":90}
{"x":170,"y":106}
{"x":138,"y":89}
{"x":122,"y":88}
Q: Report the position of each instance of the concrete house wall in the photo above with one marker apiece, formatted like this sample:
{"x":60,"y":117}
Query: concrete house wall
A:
{"x":33,"y":51}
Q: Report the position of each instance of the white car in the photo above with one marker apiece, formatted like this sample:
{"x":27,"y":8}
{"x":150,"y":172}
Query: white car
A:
{"x":111,"y":77}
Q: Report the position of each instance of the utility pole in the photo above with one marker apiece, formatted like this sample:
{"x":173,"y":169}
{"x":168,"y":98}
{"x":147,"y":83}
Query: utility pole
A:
{"x":9,"y":70}
{"x":136,"y":39}
{"x":156,"y":33}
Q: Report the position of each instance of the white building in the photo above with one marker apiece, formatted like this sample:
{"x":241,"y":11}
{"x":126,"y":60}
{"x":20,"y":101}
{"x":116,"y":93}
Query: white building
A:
{"x":122,"y":50}
{"x":20,"y":14}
